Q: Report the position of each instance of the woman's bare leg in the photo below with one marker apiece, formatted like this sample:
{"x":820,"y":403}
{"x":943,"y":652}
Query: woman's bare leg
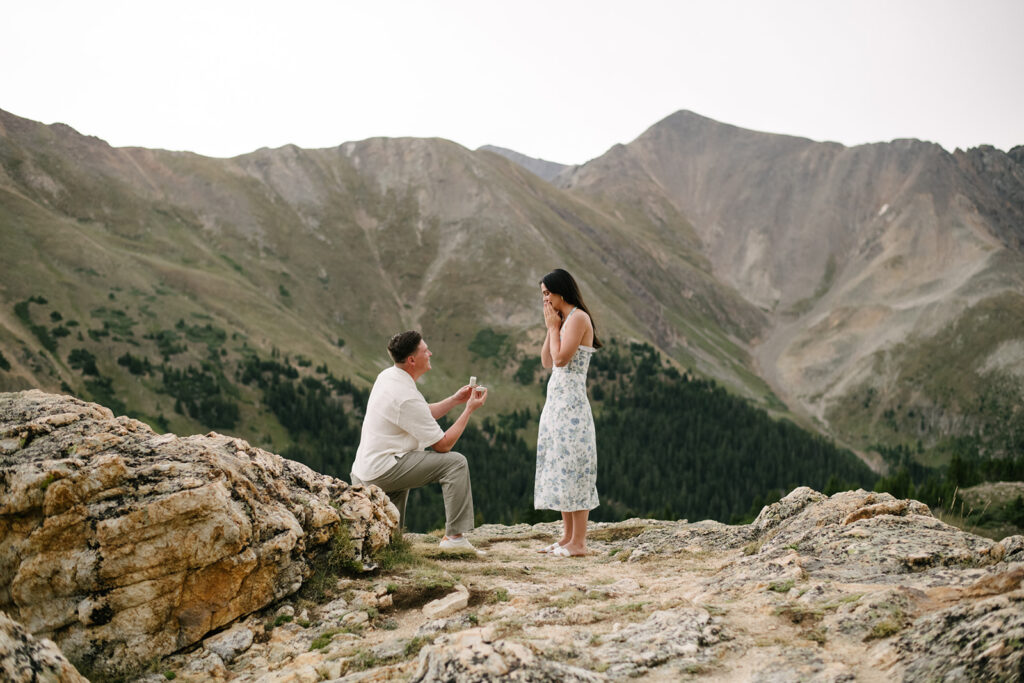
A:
{"x":567,"y":528}
{"x":577,"y":544}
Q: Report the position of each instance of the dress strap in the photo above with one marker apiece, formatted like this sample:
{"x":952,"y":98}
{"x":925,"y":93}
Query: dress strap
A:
{"x":570,"y":313}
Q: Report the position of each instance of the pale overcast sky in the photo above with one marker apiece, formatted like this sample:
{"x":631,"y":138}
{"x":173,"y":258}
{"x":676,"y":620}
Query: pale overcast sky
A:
{"x":561,"y":80}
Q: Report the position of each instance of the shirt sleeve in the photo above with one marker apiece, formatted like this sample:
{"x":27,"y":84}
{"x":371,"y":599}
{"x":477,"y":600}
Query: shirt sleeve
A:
{"x":415,"y":418}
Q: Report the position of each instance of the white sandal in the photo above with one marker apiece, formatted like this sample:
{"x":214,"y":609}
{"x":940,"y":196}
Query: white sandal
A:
{"x":550,"y":548}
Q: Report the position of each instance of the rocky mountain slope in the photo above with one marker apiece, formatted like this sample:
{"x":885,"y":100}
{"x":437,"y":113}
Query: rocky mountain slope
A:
{"x":878,"y":290}
{"x":295,"y":249}
{"x":860,"y":257}
{"x":854,"y":586}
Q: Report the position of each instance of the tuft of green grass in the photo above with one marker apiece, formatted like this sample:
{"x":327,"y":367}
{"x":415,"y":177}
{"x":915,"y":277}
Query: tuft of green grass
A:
{"x":413,"y":647}
{"x":884,"y":628}
{"x":781,"y":586}
{"x":754,"y":547}
{"x":338,"y":559}
{"x":396,"y":554}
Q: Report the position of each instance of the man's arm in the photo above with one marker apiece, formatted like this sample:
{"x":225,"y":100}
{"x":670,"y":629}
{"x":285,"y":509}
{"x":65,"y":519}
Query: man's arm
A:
{"x":447,"y":442}
{"x":442,"y":407}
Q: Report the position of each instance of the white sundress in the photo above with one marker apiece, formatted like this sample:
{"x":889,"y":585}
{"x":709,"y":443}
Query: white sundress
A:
{"x":566,"y":446}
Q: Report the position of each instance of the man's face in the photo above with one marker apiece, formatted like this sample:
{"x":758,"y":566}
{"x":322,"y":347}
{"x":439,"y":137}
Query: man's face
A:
{"x":422,"y":357}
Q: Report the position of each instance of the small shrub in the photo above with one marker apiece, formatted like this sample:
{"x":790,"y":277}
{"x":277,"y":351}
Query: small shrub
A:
{"x":413,"y":647}
{"x":338,"y":559}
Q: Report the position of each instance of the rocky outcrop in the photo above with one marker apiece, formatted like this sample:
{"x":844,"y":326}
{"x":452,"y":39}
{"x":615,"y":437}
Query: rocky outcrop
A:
{"x":856,"y":586}
{"x":24,"y":659}
{"x":123,"y":545}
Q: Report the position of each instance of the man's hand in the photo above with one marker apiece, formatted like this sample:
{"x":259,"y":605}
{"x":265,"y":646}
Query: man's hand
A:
{"x":478,"y":398}
{"x":462,"y":395}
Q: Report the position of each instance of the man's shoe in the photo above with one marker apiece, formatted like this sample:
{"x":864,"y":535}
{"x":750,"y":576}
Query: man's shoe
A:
{"x":458,"y":545}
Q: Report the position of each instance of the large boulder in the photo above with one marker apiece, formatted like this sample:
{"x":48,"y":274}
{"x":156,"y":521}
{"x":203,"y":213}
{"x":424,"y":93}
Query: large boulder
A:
{"x":122,"y":545}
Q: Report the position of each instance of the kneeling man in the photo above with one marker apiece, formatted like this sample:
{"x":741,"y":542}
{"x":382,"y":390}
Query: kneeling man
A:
{"x":399,"y":427}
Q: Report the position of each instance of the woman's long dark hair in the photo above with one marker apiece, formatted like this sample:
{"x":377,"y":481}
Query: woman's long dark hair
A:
{"x":559,"y":282}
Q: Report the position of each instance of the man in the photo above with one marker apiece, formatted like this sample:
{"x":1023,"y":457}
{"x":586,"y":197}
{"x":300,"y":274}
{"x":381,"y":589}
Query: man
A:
{"x":399,"y":427}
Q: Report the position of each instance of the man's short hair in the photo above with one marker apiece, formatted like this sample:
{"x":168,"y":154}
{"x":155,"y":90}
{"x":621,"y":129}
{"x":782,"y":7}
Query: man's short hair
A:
{"x":403,"y":345}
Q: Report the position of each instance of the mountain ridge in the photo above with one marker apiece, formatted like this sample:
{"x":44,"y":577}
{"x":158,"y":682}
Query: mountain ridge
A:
{"x":778,"y":265}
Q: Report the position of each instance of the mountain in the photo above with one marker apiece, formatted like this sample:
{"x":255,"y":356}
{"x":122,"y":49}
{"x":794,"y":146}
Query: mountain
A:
{"x":891,"y":274}
{"x":548,"y":170}
{"x":876,"y":290}
{"x":182,"y":261}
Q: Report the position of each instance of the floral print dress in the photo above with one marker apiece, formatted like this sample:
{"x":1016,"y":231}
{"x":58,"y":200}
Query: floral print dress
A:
{"x":566,"y":447}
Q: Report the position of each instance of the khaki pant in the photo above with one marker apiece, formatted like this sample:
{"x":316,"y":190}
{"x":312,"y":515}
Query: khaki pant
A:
{"x":419,"y":468}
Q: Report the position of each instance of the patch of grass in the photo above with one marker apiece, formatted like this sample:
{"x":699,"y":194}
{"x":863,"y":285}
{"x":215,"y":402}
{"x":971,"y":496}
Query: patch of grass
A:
{"x":338,"y":559}
{"x":324,"y":639}
{"x":283,"y":619}
{"x":798,"y":613}
{"x":396,"y":554}
{"x":413,"y":647}
{"x":816,"y":634}
{"x":754,"y":547}
{"x":884,"y":628}
{"x":114,"y":320}
{"x":781,"y":586}
{"x":363,"y":660}
{"x":427,"y":583}
{"x":501,"y":595}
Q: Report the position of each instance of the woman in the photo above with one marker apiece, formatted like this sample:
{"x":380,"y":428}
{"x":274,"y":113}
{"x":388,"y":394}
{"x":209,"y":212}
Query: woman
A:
{"x":566,"y":449}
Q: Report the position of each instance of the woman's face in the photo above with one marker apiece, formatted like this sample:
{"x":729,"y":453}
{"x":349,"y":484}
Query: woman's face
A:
{"x":549,"y":297}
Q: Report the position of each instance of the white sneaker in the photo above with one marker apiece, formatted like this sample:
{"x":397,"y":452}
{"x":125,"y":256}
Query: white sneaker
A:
{"x":460,"y":545}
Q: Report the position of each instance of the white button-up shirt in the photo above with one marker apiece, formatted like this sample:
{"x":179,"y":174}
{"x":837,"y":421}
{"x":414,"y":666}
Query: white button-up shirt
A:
{"x":397,"y":421}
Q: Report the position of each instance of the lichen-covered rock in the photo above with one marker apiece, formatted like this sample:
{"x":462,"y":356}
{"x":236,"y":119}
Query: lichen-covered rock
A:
{"x":856,"y":536}
{"x":23,"y":659}
{"x":681,"y":635}
{"x":474,"y":655}
{"x":122,"y":545}
{"x":979,"y":641}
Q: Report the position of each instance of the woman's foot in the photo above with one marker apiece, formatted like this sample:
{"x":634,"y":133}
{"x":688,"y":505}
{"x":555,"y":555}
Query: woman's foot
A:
{"x":569,"y":551}
{"x":550,"y":548}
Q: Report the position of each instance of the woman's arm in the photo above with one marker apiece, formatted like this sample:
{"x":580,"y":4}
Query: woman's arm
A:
{"x":545,"y":352}
{"x":573,"y":330}
{"x":553,"y":323}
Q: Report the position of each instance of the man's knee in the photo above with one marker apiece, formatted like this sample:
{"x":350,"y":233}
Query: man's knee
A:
{"x":457,"y":460}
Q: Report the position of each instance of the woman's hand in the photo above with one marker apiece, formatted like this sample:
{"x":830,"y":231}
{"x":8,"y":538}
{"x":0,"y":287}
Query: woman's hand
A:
{"x":552,"y":320}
